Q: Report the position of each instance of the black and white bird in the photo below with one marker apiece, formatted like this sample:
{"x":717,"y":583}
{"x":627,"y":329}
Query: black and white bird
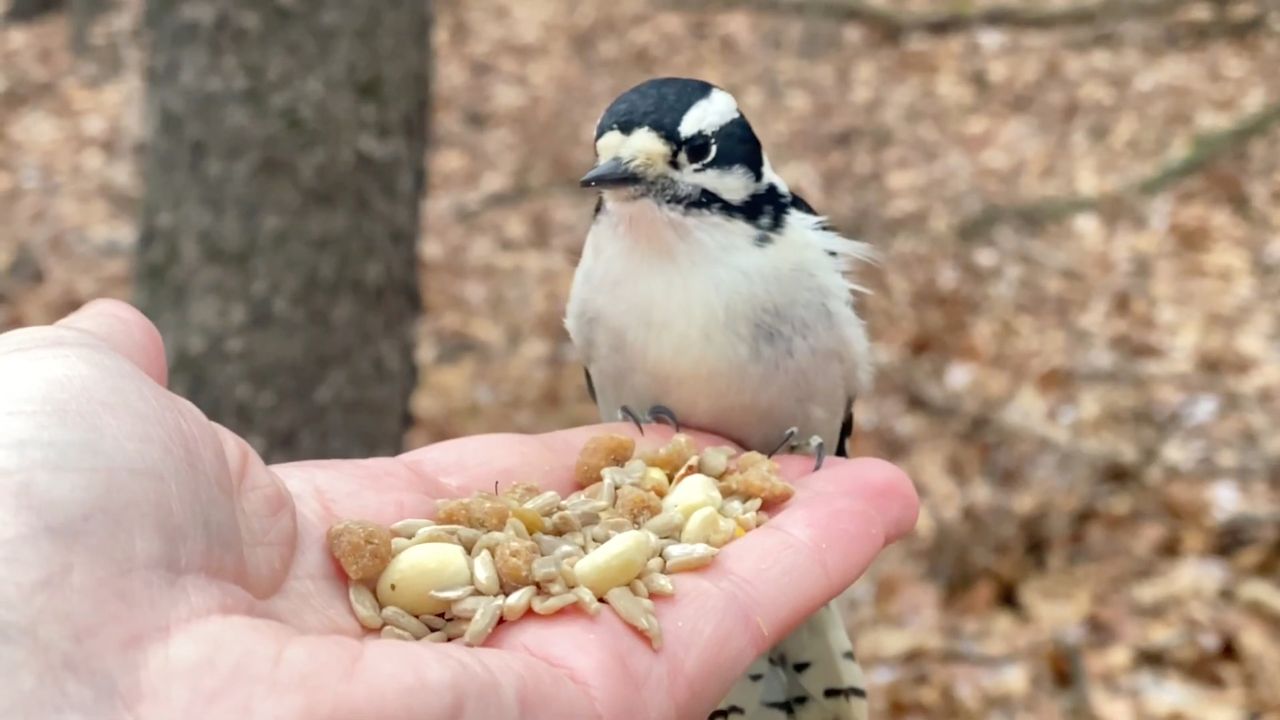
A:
{"x":710,"y":295}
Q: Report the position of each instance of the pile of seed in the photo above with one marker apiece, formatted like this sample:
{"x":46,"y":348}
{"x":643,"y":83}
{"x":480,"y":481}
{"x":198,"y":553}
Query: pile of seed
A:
{"x":493,"y":557}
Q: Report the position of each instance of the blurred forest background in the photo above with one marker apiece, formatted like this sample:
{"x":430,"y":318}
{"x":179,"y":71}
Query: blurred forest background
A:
{"x":1078,"y":205}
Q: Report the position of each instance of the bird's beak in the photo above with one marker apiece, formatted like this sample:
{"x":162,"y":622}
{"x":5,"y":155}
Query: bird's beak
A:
{"x":612,"y":173}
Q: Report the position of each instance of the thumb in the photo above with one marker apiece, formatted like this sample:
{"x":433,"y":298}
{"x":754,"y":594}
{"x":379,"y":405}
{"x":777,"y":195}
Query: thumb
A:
{"x":126,"y":331}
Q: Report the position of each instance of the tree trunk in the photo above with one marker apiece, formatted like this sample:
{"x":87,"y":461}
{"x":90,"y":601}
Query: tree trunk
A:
{"x":283,"y":176}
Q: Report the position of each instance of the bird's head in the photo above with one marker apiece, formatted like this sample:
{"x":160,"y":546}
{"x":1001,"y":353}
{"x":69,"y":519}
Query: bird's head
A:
{"x":678,"y":140}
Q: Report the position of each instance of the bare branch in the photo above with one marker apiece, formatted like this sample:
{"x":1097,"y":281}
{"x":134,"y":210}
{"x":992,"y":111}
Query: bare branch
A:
{"x":1205,"y":149}
{"x":896,"y":23}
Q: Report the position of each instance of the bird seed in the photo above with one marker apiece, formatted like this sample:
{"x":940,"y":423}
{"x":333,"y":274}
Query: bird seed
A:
{"x":491,"y":558}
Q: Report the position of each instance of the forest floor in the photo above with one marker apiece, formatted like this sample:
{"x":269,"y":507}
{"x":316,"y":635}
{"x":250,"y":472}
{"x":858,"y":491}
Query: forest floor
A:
{"x":1085,"y":390}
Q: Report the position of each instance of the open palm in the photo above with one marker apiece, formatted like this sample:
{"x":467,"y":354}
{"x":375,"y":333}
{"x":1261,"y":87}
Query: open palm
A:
{"x":158,"y":569}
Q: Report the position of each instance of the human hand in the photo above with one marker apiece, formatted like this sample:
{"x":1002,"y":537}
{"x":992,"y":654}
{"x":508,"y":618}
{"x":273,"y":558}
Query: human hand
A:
{"x":156,"y":568}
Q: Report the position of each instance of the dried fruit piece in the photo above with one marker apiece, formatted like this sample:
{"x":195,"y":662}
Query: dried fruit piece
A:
{"x":413,"y":574}
{"x":694,"y":492}
{"x":453,"y":512}
{"x":757,"y":476}
{"x":522,"y":492}
{"x":361,"y":547}
{"x":514,"y":560}
{"x":638,"y":506}
{"x":599,"y":453}
{"x":617,"y":562}
{"x":671,"y":456}
{"x":531,"y":520}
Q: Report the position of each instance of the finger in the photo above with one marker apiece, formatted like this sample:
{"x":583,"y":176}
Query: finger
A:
{"x":761,"y":586}
{"x":467,"y":464}
{"x":126,"y":331}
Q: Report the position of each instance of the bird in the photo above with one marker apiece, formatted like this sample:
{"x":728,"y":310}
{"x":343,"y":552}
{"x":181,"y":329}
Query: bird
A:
{"x":709,"y":295}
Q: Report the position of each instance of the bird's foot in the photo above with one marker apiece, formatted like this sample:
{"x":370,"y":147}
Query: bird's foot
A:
{"x":657,"y":413}
{"x":813,"y":445}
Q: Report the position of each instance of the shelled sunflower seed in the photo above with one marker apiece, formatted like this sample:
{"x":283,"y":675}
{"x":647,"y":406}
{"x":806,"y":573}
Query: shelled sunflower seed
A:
{"x":494,"y":557}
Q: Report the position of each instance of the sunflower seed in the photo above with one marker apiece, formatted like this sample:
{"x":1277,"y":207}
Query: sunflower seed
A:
{"x":453,"y":594}
{"x":647,"y":603}
{"x":609,"y":492}
{"x":517,"y":603}
{"x":545,"y":503}
{"x":545,"y":569}
{"x":393,"y":615}
{"x":543,"y":605}
{"x":576,"y":538}
{"x":408,"y":527}
{"x":394,"y":633}
{"x":585,"y":518}
{"x":658,"y":584}
{"x":567,"y":575}
{"x":488,"y":541}
{"x":564,"y":552}
{"x":555,"y":587}
{"x":639,"y":589}
{"x":616,"y":525}
{"x":468,"y":607}
{"x":438,"y":636}
{"x":564,"y":522}
{"x":586,"y":505}
{"x":684,"y":556}
{"x":655,"y":565}
{"x":485,"y":574}
{"x":485,"y":620}
{"x":550,"y":544}
{"x":631,"y":610}
{"x":364,"y":605}
{"x":468,"y":537}
{"x":456,"y":628}
{"x":752,"y":505}
{"x":586,"y":600}
{"x":598,"y":534}
{"x":667,"y":524}
{"x":434,"y":622}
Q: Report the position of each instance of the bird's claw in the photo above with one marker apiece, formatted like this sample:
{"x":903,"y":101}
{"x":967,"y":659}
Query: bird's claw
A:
{"x":815,"y":446}
{"x":657,"y":413}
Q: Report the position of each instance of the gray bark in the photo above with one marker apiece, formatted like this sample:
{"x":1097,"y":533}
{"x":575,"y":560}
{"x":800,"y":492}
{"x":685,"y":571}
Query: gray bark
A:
{"x":282,"y":184}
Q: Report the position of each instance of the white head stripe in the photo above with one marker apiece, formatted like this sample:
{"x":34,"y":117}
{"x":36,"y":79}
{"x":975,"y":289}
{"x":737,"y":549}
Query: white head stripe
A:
{"x":709,"y":114}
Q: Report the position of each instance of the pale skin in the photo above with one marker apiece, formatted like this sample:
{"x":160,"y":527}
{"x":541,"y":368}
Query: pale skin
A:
{"x":155,"y":567}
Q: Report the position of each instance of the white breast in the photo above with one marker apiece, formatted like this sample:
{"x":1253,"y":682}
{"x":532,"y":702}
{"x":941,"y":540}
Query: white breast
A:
{"x":738,"y":338}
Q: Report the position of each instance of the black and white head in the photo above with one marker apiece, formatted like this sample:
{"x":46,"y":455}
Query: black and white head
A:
{"x":685,"y":144}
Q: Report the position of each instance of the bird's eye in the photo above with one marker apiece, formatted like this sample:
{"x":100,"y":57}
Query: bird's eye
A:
{"x":698,"y":149}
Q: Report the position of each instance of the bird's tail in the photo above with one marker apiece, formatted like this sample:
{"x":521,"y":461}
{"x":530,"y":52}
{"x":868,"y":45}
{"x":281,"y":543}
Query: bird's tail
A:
{"x":811,"y":675}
